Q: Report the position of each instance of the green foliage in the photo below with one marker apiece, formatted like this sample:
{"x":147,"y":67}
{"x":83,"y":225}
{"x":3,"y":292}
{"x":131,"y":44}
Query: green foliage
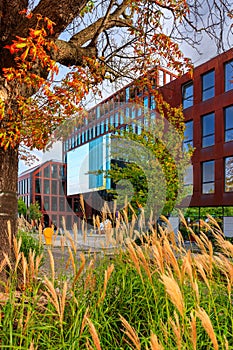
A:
{"x":155,"y":163}
{"x":34,"y":211}
{"x":22,"y":208}
{"x":29,"y":242}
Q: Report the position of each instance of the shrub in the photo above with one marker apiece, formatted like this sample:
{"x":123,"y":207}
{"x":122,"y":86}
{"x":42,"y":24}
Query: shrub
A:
{"x":29,"y":242}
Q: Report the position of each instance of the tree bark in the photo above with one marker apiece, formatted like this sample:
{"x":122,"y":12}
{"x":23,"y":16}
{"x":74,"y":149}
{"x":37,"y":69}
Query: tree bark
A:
{"x":8,"y":204}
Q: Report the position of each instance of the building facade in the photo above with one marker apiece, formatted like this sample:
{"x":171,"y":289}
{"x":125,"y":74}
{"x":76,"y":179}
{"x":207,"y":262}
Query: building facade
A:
{"x":46,"y":185}
{"x":207,"y":99}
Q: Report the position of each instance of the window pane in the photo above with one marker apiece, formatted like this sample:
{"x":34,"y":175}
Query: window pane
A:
{"x":229,"y":174}
{"x":54,"y":203}
{"x":208,"y":177}
{"x":187,"y":93}
{"x":188,"y":134}
{"x":208,"y":130}
{"x":229,"y":123}
{"x":54,"y":187}
{"x":229,"y":76}
{"x":208,"y":85}
{"x":46,"y":187}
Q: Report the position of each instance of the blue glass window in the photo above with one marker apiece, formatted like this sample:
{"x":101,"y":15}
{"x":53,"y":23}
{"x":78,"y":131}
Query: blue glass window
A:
{"x":229,"y":174}
{"x":208,"y":177}
{"x":208,"y":85}
{"x":229,"y":76}
{"x":187,"y":95}
{"x":208,"y":130}
{"x":152,"y":102}
{"x":188,"y":135}
{"x":228,"y":123}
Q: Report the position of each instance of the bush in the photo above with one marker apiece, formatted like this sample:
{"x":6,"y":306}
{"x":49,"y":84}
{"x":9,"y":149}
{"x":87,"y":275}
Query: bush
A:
{"x":29,"y":242}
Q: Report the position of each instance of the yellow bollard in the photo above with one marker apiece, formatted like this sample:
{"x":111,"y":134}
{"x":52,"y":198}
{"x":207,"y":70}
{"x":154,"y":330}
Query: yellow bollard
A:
{"x":48,"y":233}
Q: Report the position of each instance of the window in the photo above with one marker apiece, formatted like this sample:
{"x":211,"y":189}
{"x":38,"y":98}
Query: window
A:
{"x":54,"y":203}
{"x":208,"y":130}
{"x":54,"y":170}
{"x":47,"y":171}
{"x":228,"y":112}
{"x":208,"y":177}
{"x":54,"y":187}
{"x":46,"y":187}
{"x":188,"y":135}
{"x":37,"y":189}
{"x":146,"y":102}
{"x":187,"y":95}
{"x":229,"y":76}
{"x":229,"y":174}
{"x":152,"y":102}
{"x":208,"y":85}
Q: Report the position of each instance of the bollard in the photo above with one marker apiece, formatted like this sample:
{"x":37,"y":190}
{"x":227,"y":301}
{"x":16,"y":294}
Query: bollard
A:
{"x":48,"y":233}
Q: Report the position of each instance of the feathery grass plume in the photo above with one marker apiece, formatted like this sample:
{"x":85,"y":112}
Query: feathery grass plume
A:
{"x":144,"y":263}
{"x":187,"y":266}
{"x":214,"y":222}
{"x":9,"y":233}
{"x":6,"y":257}
{"x":84,"y":321}
{"x":90,"y":280}
{"x":224,"y":264}
{"x":75,"y":231}
{"x":31,"y":263}
{"x":57,"y":301}
{"x":40,"y":232}
{"x":132,"y":253}
{"x":3,"y":264}
{"x":71,"y":240}
{"x":158,"y":258}
{"x":207,"y":325}
{"x":32,"y":346}
{"x":174,"y":292}
{"x":171,"y":259}
{"x":62,"y":241}
{"x":81,"y":268}
{"x":202,"y":273}
{"x":154,"y":343}
{"x":72,"y":260}
{"x":52,"y":266}
{"x":82,"y":204}
{"x":193,"y":325}
{"x":25,"y":270}
{"x":131,"y":334}
{"x":177,"y":330}
{"x":94,"y":334}
{"x":107,"y":274}
{"x":169,"y":230}
{"x":64,"y":223}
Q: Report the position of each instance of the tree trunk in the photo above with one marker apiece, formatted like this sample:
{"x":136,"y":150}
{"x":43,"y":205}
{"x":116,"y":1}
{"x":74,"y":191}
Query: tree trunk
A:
{"x":8,"y":204}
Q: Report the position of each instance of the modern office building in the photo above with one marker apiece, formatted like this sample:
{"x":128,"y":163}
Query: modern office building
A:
{"x":207,"y":100}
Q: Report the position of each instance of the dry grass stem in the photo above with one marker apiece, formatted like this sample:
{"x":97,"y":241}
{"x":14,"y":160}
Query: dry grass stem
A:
{"x":107,"y":274}
{"x":174,"y":292}
{"x":177,"y":330}
{"x":154,"y":343}
{"x":52,"y":266}
{"x":131,"y":334}
{"x":81,"y":268}
{"x":94,"y":334}
{"x":193,"y":325}
{"x":207,"y":325}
